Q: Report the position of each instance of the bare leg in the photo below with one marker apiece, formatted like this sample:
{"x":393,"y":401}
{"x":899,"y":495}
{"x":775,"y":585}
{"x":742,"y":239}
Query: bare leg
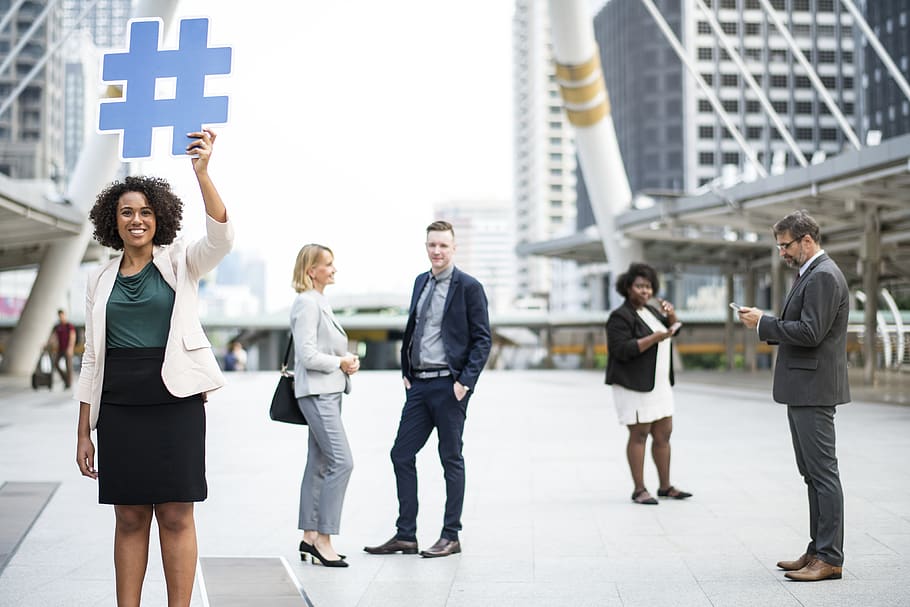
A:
{"x":660,"y":449}
{"x":635,"y":452}
{"x":131,"y":551}
{"x":177,"y":534}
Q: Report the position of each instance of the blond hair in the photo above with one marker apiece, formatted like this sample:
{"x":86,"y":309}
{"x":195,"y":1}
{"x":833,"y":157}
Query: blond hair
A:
{"x":308,"y":257}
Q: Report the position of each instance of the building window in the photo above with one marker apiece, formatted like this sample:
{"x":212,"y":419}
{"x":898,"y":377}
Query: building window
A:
{"x":753,"y":106}
{"x":731,"y":105}
{"x":729,"y":28}
{"x":729,"y":80}
{"x":803,"y":107}
{"x":708,"y":78}
{"x":705,"y":53}
{"x":779,"y":81}
{"x":706,"y":158}
{"x":704,"y":106}
{"x":825,"y":56}
{"x":704,"y":27}
{"x":780,"y":106}
{"x":801,"y":5}
{"x":754,"y":132}
{"x":753,"y":29}
{"x":803,"y":82}
{"x":706,"y":132}
{"x":731,"y":158}
{"x":804,"y":133}
{"x":829,"y":135}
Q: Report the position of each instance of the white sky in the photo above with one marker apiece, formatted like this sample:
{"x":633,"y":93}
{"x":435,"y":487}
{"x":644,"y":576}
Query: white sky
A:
{"x":349,"y":120}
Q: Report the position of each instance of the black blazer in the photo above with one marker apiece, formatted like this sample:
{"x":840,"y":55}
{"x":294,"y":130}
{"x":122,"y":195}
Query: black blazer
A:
{"x":811,"y":367}
{"x":626,"y":366}
{"x":465,"y":327}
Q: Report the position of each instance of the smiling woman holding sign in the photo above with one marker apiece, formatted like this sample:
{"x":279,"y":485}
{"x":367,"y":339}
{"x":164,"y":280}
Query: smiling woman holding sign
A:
{"x":146,"y":370}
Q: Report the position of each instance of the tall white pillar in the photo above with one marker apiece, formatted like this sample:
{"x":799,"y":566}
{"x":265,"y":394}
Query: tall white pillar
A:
{"x":97,"y":164}
{"x":584,"y":93}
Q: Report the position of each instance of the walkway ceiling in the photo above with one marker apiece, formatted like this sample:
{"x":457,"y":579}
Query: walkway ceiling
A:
{"x":730,"y":227}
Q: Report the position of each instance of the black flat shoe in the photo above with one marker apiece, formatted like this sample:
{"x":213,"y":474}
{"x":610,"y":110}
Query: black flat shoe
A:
{"x":307,"y":548}
{"x":314,"y":552}
{"x":673,"y":492}
{"x":639,"y":498}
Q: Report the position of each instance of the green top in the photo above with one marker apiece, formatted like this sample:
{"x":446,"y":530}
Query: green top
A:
{"x":139,"y":310}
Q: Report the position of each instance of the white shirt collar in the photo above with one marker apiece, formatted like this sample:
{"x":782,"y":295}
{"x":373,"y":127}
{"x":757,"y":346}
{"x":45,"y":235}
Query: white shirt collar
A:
{"x":805,"y":266}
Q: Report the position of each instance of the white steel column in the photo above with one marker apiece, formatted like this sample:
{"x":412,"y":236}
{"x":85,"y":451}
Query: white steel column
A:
{"x":879,"y":49}
{"x":97,"y":164}
{"x":707,"y":90}
{"x":811,"y":73}
{"x":587,"y":106}
{"x":750,"y":80}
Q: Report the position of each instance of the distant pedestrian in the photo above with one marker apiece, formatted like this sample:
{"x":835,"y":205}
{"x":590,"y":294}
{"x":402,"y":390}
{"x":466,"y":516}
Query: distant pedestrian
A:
{"x":640,"y":369}
{"x":146,"y":370}
{"x":235,"y":357}
{"x":810,"y":377}
{"x":322,"y":370}
{"x":64,"y":342}
{"x":445,"y":347}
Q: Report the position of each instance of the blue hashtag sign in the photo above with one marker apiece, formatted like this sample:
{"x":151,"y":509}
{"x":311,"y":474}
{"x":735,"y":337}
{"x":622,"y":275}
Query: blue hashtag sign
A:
{"x":138,"y":112}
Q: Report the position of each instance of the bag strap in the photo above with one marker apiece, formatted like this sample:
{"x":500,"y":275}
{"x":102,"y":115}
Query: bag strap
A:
{"x":287,"y":352}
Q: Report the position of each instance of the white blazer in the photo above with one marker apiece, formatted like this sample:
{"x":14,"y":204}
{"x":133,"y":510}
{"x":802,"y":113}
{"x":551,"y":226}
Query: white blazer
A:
{"x":189,"y":364}
{"x":319,"y":344}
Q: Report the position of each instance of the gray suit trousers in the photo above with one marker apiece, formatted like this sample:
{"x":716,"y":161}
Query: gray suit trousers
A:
{"x":328,"y":465}
{"x":812,"y":431}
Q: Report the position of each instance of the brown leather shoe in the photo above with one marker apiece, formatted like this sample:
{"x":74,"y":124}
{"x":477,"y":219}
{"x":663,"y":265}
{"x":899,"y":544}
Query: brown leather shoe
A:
{"x":392,"y":546}
{"x":797,"y":564}
{"x":815,"y":571}
{"x":442,"y":547}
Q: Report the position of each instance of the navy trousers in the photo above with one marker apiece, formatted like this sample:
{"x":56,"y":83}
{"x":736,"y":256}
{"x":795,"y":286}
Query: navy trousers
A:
{"x":430,"y":404}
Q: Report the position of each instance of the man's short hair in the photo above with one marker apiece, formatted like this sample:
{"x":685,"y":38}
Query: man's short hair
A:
{"x":441,"y":226}
{"x":799,"y":224}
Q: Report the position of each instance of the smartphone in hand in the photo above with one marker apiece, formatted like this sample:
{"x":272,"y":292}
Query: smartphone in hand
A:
{"x":674,"y":328}
{"x":735,"y":306}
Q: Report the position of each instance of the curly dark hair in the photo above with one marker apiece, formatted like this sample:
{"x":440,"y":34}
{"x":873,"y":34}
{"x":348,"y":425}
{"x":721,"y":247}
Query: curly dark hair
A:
{"x":625,"y":280}
{"x":167,"y":206}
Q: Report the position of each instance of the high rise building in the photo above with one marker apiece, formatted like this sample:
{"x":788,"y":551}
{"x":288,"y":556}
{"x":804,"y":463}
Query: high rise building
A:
{"x":887,"y":108}
{"x":670,"y":136}
{"x":486,"y":246}
{"x":31,"y":129}
{"x":103,"y":26}
{"x":544,"y":148}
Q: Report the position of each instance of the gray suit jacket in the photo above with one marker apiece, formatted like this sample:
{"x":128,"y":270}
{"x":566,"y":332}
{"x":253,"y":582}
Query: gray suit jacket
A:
{"x":811,"y":364}
{"x":319,"y":344}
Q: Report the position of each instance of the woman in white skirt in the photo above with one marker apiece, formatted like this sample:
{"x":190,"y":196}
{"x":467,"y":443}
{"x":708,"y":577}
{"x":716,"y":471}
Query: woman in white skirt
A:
{"x":640,"y":369}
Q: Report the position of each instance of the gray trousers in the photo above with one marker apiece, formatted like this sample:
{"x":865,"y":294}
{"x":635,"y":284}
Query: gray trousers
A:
{"x":812,"y":431}
{"x":328,"y":465}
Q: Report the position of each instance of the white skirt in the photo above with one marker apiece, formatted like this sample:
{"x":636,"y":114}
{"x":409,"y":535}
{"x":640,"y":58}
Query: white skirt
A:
{"x":644,"y":407}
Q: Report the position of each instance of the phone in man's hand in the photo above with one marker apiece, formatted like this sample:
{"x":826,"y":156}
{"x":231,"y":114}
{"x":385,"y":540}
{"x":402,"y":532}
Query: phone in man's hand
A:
{"x":735,"y":306}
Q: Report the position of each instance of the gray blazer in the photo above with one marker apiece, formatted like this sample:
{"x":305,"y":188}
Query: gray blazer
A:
{"x":811,"y":364}
{"x":319,"y":344}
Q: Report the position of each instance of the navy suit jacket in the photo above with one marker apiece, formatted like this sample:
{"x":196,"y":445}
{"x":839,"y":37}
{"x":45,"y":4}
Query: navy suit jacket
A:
{"x":465,"y":328}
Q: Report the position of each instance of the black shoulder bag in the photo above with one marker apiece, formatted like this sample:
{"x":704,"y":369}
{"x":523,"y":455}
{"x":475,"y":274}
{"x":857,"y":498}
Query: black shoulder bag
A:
{"x":284,"y":404}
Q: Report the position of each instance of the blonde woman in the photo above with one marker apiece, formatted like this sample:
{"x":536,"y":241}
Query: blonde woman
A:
{"x":322,"y":371}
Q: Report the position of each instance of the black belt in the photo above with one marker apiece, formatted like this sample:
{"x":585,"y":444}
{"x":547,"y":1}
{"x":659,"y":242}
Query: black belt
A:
{"x":432,"y":373}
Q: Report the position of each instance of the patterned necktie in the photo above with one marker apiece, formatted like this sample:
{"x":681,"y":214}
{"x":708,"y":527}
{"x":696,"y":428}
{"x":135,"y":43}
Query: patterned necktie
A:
{"x":421,"y":323}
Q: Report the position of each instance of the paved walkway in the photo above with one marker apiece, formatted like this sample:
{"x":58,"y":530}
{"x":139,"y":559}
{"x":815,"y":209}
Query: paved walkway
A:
{"x":548,"y":520}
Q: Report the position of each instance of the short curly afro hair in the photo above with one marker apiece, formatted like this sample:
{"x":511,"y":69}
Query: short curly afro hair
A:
{"x":625,"y":280}
{"x":167,"y":206}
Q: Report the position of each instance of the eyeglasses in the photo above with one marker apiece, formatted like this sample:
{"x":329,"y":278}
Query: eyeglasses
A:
{"x":783,"y":246}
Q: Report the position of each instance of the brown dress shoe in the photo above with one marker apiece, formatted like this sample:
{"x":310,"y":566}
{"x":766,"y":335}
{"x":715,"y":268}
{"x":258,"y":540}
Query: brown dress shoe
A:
{"x":797,"y":564}
{"x":815,"y":571}
{"x":442,"y":547}
{"x":392,"y":546}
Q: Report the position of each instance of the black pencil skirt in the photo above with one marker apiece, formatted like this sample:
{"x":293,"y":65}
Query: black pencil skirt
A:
{"x":153,"y":452}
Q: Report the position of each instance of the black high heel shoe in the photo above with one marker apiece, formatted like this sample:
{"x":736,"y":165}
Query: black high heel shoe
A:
{"x":314,"y":552}
{"x":306,"y":548}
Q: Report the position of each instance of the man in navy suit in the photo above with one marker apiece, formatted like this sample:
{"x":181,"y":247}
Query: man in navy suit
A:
{"x":810,"y":377}
{"x":446,"y":344}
